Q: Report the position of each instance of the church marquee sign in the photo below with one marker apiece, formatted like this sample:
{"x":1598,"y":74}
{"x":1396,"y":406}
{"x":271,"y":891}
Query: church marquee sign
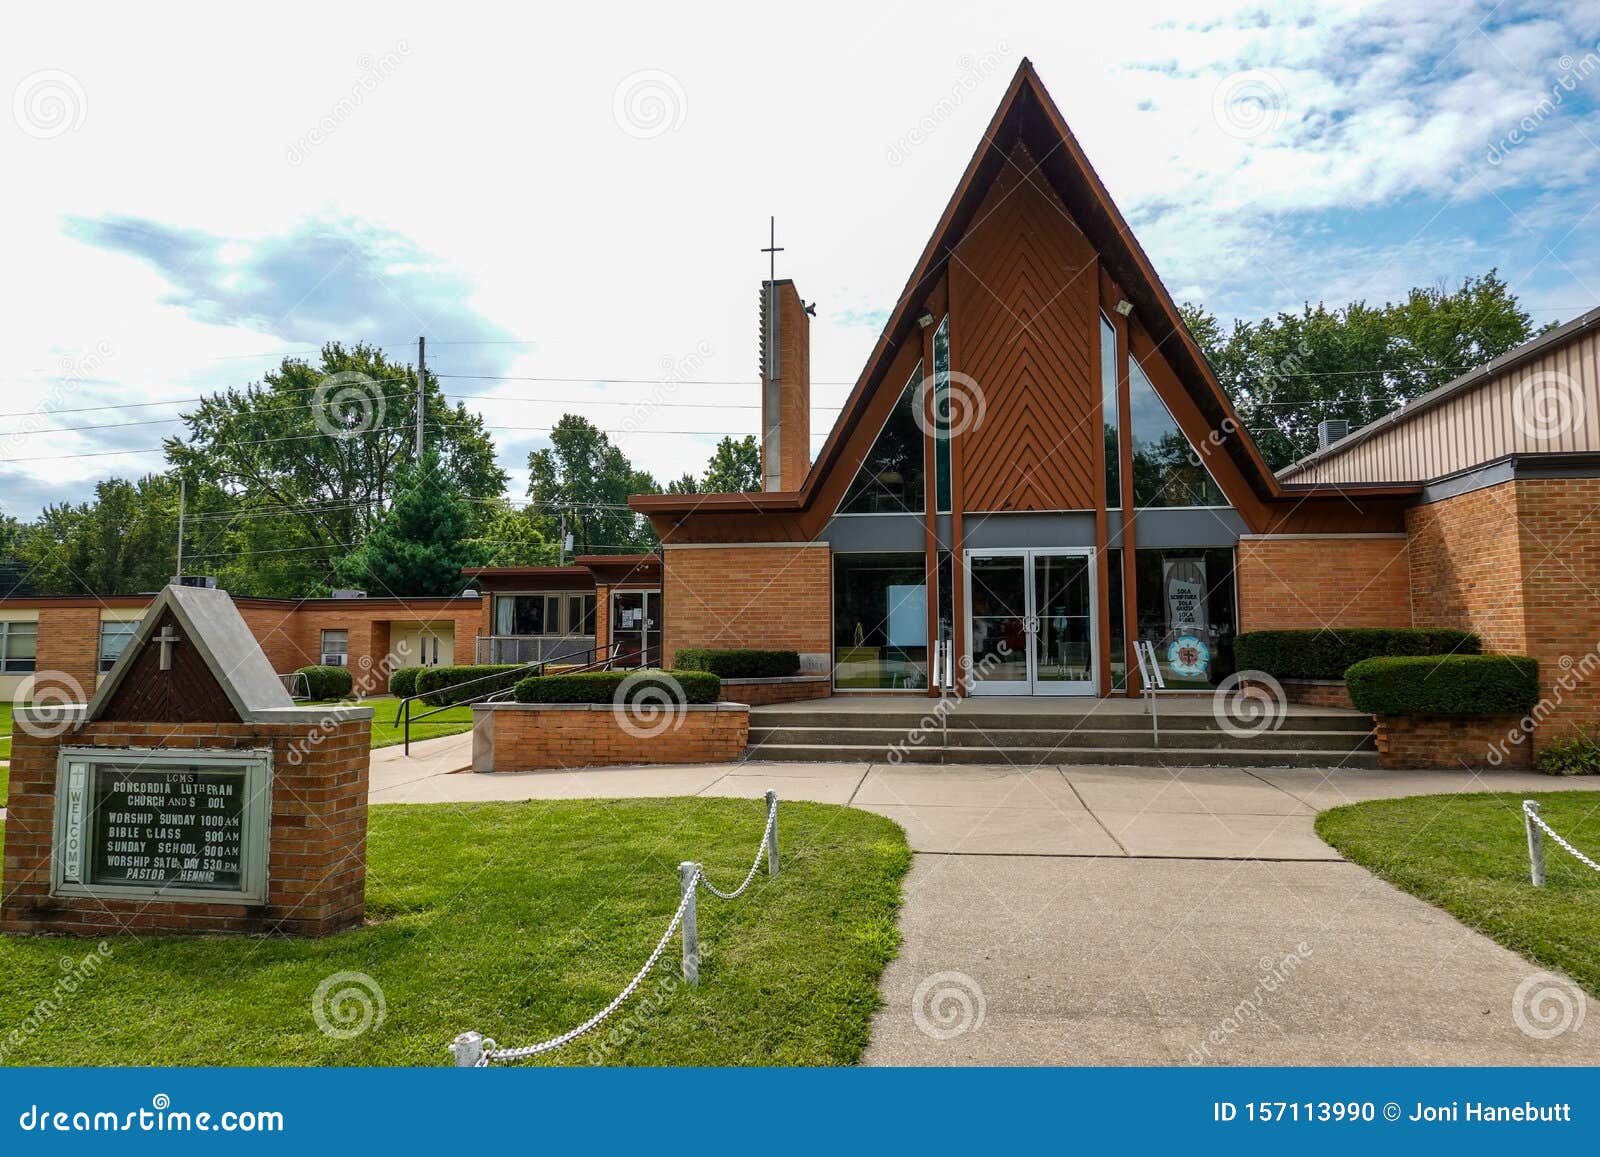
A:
{"x":167,"y":825}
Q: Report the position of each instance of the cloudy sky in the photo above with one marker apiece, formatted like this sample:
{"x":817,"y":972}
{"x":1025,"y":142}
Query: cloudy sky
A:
{"x":571,"y":207}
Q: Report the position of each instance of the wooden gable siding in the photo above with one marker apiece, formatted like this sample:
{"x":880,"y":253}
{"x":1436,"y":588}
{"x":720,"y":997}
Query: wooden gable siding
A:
{"x":1023,"y":291}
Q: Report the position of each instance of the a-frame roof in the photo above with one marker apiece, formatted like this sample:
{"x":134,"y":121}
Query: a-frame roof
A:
{"x":1028,"y":115}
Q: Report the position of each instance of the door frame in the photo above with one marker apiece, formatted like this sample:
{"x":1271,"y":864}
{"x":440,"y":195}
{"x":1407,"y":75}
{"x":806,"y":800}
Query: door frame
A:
{"x":650,"y":599}
{"x":1033,"y":685}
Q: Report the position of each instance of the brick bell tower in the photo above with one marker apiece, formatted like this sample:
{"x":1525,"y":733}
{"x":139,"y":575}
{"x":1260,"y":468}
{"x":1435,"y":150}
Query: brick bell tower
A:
{"x":785,"y":383}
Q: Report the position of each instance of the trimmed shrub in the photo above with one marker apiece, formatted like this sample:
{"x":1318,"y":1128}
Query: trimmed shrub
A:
{"x":404,"y":681}
{"x":327,"y":682}
{"x":1575,"y":753}
{"x":602,"y":687}
{"x":1444,"y":685}
{"x":740,"y":664}
{"x":434,"y":683}
{"x":1329,"y":654}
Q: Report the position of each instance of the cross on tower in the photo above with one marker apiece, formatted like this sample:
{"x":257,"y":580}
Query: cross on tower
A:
{"x":773,"y":248}
{"x":168,"y":638}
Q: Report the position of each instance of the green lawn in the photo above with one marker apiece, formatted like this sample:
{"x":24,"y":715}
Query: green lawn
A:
{"x":1468,"y":855}
{"x":519,"y":920}
{"x":386,"y":732}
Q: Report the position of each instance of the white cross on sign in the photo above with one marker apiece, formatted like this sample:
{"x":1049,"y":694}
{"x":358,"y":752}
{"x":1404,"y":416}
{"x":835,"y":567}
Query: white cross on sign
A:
{"x":167,"y":638}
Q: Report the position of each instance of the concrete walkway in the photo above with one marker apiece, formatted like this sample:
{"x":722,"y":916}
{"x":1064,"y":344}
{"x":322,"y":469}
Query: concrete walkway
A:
{"x":1074,"y":915}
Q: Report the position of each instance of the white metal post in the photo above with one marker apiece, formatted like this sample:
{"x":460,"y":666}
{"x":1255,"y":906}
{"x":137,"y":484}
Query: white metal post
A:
{"x":772,"y":844}
{"x":468,"y":1050}
{"x":688,"y":878}
{"x":1530,"y":809}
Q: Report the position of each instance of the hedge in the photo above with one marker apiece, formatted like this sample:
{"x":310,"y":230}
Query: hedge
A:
{"x":432,"y":681}
{"x":740,"y":664}
{"x":327,"y":682}
{"x":1444,"y":685}
{"x":603,"y":686}
{"x":404,"y":681}
{"x":1327,"y":654}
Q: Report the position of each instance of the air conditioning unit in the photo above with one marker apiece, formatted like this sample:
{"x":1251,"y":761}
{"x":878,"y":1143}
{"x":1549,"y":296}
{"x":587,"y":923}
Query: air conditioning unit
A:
{"x":350,"y":594}
{"x":208,"y":581}
{"x":1331,"y":430}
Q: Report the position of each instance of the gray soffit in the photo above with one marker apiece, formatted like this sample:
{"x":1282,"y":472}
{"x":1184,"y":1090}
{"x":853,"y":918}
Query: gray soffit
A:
{"x":1158,"y":528}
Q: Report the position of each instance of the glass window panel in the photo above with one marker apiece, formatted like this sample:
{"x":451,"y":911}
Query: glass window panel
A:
{"x":1186,"y":608}
{"x":1166,"y":470}
{"x":1108,"y":404}
{"x":890,"y":478}
{"x":1118,"y":632}
{"x":335,"y":648}
{"x":505,"y":615}
{"x":114,"y":639}
{"x":999,"y":622}
{"x":588,"y":615}
{"x":941,"y":416}
{"x":880,"y":617}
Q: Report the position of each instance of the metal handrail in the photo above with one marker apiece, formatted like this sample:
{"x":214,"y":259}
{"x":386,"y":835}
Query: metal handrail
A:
{"x":403,"y":712}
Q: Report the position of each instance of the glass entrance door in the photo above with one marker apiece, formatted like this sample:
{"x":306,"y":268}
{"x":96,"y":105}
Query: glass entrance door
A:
{"x":1031,"y":622}
{"x":636,"y":628}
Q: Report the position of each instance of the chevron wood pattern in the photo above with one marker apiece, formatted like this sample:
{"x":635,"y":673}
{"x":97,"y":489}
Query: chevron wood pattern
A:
{"x":1024,"y":293}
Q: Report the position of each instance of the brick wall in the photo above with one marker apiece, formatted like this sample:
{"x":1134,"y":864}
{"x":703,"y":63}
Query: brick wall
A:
{"x":547,"y":737}
{"x":756,"y":692}
{"x":1291,"y":583}
{"x":69,"y":642}
{"x":776,"y":597}
{"x":317,"y":860}
{"x":1446,"y":741}
{"x":1519,"y":563}
{"x":1466,"y":566}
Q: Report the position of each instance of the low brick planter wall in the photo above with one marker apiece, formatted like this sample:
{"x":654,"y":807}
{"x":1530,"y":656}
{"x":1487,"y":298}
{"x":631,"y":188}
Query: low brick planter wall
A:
{"x":555,"y":736}
{"x":1411,"y":742}
{"x":793,"y":689}
{"x":1314,"y":692}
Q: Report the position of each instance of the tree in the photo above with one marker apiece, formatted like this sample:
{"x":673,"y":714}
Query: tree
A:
{"x":312,"y":454}
{"x":419,"y":544}
{"x":511,"y":537}
{"x":686,"y":483}
{"x":735,"y":467}
{"x":582,"y":482}
{"x":122,"y":541}
{"x":1287,"y":373}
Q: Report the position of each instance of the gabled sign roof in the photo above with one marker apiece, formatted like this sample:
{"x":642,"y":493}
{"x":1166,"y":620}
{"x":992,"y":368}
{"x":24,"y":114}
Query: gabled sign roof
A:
{"x":210,"y":623}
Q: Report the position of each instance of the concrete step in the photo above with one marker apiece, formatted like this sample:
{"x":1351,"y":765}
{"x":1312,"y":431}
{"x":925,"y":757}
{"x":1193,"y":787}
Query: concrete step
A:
{"x":898,"y":721}
{"x":1036,"y":756}
{"x":1063,"y":739}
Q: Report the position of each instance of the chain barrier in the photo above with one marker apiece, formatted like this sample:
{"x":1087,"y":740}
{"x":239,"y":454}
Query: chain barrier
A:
{"x":1530,"y":808}
{"x":473,"y":1050}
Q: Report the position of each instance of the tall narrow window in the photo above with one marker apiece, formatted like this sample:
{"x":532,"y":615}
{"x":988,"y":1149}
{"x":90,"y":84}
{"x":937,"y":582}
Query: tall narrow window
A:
{"x":890,"y":478}
{"x":880,"y":621}
{"x":1108,"y":408}
{"x":941,"y":416}
{"x":1166,"y":469}
{"x":1118,"y":633}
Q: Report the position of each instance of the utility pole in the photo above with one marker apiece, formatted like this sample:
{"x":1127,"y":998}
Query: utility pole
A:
{"x":422,"y":392}
{"x":183,"y":496}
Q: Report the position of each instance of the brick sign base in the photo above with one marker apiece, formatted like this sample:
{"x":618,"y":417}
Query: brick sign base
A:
{"x":550,"y":736}
{"x":1420,"y":742}
{"x":317,"y":861}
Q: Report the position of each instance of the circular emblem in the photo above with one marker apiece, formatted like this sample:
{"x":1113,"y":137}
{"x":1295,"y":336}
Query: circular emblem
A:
{"x":1188,"y":656}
